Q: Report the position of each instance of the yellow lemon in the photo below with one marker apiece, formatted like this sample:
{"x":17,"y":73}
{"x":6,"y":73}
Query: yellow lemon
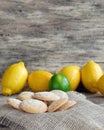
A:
{"x":73,"y":75}
{"x":100,"y":84}
{"x":39,"y":80}
{"x":14,"y":79}
{"x":90,"y":74}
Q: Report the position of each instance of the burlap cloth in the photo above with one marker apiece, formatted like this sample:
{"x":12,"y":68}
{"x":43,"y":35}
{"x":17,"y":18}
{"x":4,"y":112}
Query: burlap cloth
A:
{"x":85,"y":115}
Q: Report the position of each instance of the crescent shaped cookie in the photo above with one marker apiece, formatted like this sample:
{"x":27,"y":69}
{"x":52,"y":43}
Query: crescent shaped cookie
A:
{"x":46,"y":96}
{"x":25,"y":95}
{"x":14,"y":102}
{"x":57,"y":104}
{"x":60,"y":93}
{"x":33,"y":106}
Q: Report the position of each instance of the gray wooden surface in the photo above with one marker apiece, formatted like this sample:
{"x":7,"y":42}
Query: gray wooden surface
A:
{"x":50,"y":34}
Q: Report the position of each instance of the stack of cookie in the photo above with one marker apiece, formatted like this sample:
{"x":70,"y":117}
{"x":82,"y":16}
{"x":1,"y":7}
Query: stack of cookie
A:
{"x":40,"y":102}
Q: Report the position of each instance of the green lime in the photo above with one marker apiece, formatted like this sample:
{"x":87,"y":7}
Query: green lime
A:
{"x":59,"y":82}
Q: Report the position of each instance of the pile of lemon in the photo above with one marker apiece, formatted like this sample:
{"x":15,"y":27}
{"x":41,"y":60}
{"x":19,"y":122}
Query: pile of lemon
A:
{"x":68,"y":78}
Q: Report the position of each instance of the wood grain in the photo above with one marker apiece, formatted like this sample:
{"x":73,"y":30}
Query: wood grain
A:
{"x":50,"y":34}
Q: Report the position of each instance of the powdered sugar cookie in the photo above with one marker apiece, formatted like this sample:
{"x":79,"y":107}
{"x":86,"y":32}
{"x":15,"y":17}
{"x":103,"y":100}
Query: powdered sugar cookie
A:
{"x":46,"y":96}
{"x":57,"y":104}
{"x":60,"y":93}
{"x":14,"y":102}
{"x":33,"y":106}
{"x":25,"y":95}
{"x":67,"y":105}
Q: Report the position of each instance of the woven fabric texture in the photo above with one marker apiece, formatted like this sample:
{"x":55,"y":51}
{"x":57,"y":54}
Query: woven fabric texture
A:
{"x":85,"y":115}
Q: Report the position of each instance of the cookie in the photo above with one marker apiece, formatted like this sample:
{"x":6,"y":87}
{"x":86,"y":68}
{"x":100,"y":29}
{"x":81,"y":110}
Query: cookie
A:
{"x":67,"y":105}
{"x":25,"y":95}
{"x":46,"y":96}
{"x":33,"y":106}
{"x":14,"y":102}
{"x":60,"y":93}
{"x":57,"y":104}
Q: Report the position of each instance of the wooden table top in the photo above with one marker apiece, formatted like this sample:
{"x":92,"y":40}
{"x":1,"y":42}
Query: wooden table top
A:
{"x":50,"y":34}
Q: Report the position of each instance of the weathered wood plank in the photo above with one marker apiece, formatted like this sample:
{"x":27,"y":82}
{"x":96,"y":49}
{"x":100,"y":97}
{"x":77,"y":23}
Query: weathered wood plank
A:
{"x":49,"y":34}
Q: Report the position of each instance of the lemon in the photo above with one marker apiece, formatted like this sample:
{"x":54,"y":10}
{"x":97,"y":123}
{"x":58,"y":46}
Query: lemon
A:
{"x":39,"y":80}
{"x":100,"y":84}
{"x":73,"y":75}
{"x":59,"y":82}
{"x":14,"y":79}
{"x":90,"y":74}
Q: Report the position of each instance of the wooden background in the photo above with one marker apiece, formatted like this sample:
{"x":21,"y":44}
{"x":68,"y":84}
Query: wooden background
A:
{"x":50,"y":34}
